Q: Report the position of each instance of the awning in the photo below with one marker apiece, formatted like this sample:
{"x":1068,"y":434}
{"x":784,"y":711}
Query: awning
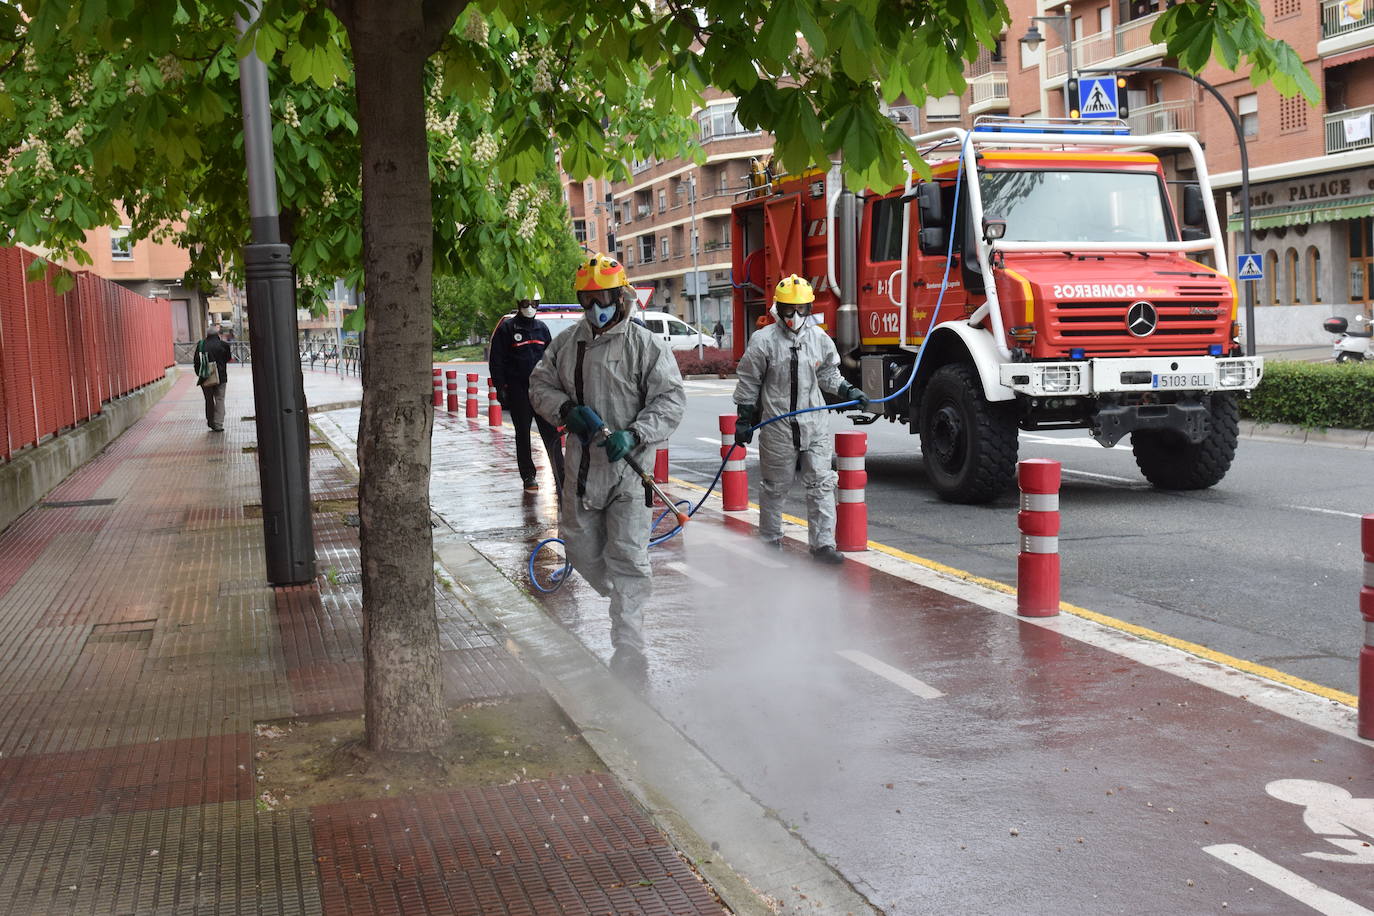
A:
{"x":1304,"y":214}
{"x":1350,"y":57}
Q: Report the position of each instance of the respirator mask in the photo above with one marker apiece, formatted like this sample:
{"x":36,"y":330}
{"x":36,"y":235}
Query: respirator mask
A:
{"x":792,"y":317}
{"x":528,"y":311}
{"x":602,"y":306}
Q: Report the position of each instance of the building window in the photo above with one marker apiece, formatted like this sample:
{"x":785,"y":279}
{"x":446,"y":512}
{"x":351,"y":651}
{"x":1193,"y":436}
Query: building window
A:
{"x":718,"y":121}
{"x":664,"y":250}
{"x":121,"y":249}
{"x":1290,"y":267}
{"x":1271,"y":278}
{"x":662,"y":200}
{"x":1247,"y":108}
{"x":580,"y":230}
{"x":1104,"y":19}
{"x":1314,"y":274}
{"x":646,"y":249}
{"x":945,"y":108}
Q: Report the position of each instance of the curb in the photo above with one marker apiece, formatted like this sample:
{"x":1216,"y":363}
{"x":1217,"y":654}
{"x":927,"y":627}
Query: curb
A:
{"x":1287,"y":432}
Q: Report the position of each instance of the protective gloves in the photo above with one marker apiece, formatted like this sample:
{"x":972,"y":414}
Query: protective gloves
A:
{"x":747,"y":417}
{"x":578,"y":419}
{"x":619,"y":444}
{"x":855,"y":393}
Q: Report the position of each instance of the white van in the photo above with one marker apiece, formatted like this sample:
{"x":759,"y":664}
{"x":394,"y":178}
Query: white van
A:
{"x":674,"y":332}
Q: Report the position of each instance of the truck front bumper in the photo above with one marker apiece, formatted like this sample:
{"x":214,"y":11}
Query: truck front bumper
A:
{"x":1138,"y":374}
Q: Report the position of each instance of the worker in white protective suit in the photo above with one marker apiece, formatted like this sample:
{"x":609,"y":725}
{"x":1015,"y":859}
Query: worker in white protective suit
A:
{"x":785,"y":367}
{"x":608,"y":367}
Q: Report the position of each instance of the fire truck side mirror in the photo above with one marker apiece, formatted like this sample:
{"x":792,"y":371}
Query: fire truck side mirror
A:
{"x":1193,"y":212}
{"x":932,"y":241}
{"x":930,"y":205}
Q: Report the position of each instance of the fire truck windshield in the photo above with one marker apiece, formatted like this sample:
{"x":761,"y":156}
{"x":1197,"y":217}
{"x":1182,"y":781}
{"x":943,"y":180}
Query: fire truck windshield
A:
{"x":1077,"y":206}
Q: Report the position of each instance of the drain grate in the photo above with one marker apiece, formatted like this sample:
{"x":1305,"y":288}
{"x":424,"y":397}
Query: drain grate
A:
{"x":75,"y":503}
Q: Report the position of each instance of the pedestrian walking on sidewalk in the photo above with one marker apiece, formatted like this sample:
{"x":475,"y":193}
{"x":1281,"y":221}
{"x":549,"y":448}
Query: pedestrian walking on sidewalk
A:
{"x":785,"y":367}
{"x":607,"y":372}
{"x":212,"y":374}
{"x":516,"y":348}
{"x":719,"y":334}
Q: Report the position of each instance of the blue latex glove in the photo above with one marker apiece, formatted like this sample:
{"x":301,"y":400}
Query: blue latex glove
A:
{"x":580,"y":419}
{"x":619,"y":444}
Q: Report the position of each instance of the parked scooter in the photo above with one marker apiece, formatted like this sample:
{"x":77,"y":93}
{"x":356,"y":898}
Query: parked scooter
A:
{"x":1350,"y":344}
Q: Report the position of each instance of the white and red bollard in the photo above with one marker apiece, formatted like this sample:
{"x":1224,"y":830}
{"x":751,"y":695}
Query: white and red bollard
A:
{"x":851,"y":512}
{"x":472,"y":396}
{"x":451,"y":383}
{"x":1037,"y":565}
{"x":438,"y":387}
{"x":734,"y":480}
{"x":661,"y":466}
{"x":1365,"y":725}
{"x":493,"y":406}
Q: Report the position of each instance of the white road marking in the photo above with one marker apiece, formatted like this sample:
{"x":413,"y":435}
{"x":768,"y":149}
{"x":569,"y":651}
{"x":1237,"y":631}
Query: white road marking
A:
{"x":895,"y":675}
{"x":1325,"y":511}
{"x":715,"y":441}
{"x":695,"y":574}
{"x":1285,"y":881}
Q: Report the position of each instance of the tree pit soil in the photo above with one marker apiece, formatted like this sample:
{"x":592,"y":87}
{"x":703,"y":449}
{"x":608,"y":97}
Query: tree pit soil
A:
{"x":304,"y":762}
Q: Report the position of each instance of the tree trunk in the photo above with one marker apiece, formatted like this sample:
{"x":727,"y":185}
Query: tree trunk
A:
{"x":403,"y":683}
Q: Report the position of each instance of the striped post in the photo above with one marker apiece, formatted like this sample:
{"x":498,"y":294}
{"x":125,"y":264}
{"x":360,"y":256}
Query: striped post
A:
{"x":1037,"y":566}
{"x":472,"y":396}
{"x":493,"y":406}
{"x":851,"y":522}
{"x":734,"y":480}
{"x":451,"y":383}
{"x":438,"y":387}
{"x":661,"y":466}
{"x":1366,"y":697}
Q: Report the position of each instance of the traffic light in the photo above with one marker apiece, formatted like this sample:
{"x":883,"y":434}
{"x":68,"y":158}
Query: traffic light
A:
{"x":1073,"y":94}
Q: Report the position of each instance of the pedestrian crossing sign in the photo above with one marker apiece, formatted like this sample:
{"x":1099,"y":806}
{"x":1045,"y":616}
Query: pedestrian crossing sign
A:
{"x":1097,"y":97}
{"x":1249,"y":267}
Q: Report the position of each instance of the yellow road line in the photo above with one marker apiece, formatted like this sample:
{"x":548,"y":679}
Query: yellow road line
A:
{"x":1183,"y":645}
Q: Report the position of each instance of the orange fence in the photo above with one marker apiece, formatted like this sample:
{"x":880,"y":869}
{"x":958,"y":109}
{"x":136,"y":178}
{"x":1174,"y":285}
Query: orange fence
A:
{"x":63,"y":356}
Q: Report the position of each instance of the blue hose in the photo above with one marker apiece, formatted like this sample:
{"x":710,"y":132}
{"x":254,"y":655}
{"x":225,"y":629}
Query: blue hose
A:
{"x":560,"y":576}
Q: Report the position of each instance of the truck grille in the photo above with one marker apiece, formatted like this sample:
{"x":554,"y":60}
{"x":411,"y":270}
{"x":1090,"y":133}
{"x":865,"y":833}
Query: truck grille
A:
{"x":1100,"y":327}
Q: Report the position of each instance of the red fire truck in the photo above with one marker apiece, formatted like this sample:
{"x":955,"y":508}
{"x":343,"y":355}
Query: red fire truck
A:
{"x":1047,"y":275}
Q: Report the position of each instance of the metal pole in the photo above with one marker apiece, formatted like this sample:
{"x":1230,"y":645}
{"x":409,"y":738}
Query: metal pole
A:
{"x":278,"y":391}
{"x":1068,"y":51}
{"x":696,"y":274}
{"x":1244,"y":182}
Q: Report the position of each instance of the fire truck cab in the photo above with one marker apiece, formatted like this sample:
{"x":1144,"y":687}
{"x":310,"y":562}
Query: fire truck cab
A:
{"x":1044,"y":275}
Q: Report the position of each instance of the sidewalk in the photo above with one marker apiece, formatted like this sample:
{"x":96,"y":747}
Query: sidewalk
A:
{"x":140,"y":652}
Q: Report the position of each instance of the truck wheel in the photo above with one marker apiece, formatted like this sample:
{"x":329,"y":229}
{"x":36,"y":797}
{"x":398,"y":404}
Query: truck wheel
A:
{"x":969,"y":443}
{"x":1169,"y":461}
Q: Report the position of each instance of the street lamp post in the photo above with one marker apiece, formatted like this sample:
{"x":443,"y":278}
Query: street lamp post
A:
{"x":1063,"y":25}
{"x":696,"y":275}
{"x":1244,"y":181}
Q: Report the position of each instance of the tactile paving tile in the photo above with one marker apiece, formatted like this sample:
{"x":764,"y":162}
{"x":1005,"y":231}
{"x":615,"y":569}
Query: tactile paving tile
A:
{"x":575,"y":846}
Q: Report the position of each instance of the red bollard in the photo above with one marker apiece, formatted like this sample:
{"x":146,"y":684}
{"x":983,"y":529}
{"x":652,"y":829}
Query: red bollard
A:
{"x":493,"y":406}
{"x":1365,"y":725}
{"x":734,"y":480}
{"x":472,"y":396}
{"x":851,"y":522}
{"x":1037,"y":565}
{"x":451,"y":383}
{"x":661,"y":466}
{"x":438,"y":387}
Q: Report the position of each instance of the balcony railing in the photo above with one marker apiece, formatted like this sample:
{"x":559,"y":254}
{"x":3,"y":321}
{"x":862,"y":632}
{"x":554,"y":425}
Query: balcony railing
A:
{"x":1096,"y":49}
{"x":1337,"y":18}
{"x":1164,"y":117}
{"x":989,"y":87}
{"x":1350,"y":129}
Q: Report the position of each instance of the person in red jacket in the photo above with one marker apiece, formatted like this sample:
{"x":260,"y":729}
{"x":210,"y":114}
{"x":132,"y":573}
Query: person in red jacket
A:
{"x":516,"y":348}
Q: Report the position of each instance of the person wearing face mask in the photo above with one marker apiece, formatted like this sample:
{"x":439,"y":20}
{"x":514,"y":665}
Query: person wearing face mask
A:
{"x":785,"y":367}
{"x":516,"y":348}
{"x":608,"y":368}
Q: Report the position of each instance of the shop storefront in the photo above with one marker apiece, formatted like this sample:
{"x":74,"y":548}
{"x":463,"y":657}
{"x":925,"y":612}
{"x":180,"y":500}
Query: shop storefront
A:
{"x":1316,"y":237}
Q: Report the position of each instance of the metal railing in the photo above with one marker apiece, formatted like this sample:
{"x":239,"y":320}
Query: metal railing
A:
{"x":1164,"y":117}
{"x":989,"y":87}
{"x":345,"y":360}
{"x":1337,"y":18}
{"x":1349,"y":129}
{"x":1125,"y":39}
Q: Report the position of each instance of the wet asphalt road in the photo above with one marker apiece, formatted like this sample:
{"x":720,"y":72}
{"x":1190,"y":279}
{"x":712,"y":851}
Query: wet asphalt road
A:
{"x":1265,"y":566}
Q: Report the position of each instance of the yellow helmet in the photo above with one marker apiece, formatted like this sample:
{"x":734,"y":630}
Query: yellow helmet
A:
{"x":794,"y":290}
{"x":599,"y":272}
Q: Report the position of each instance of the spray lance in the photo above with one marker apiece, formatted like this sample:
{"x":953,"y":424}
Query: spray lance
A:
{"x":600,"y":433}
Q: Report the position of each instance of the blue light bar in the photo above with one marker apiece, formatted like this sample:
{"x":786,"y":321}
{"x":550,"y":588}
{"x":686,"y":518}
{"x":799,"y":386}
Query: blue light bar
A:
{"x":1095,"y":126}
{"x":1077,"y":353}
{"x":1215,"y":349}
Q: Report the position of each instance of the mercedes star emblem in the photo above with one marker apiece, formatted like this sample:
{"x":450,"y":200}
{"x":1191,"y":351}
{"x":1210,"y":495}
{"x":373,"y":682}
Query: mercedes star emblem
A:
{"x":1141,"y":319}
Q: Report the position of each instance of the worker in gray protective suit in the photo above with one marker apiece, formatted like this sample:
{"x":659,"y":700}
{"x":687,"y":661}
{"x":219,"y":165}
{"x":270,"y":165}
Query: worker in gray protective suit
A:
{"x":608,"y":366}
{"x":785,"y":367}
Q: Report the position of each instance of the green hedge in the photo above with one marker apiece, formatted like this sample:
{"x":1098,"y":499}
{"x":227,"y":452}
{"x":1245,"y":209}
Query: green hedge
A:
{"x":1314,"y":395}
